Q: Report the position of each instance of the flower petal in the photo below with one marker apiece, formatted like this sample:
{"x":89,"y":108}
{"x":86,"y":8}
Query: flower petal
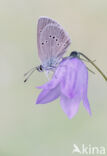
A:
{"x":72,"y":81}
{"x":47,"y":96}
{"x":68,"y":84}
{"x":70,"y":106}
{"x":87,"y":105}
{"x":85,"y":88}
{"x":57,"y":77}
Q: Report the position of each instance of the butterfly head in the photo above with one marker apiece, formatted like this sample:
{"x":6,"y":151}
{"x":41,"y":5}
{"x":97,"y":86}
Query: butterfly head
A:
{"x":40,"y":68}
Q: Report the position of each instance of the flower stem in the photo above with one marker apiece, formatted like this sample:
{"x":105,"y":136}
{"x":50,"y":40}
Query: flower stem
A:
{"x":94,"y":66}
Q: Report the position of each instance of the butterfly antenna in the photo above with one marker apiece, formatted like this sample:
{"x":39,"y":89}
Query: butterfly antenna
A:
{"x":104,"y":76}
{"x":29,"y":73}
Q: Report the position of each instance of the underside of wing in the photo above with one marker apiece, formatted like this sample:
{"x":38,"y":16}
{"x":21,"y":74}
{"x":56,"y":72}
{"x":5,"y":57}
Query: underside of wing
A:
{"x":53,"y":42}
{"x":42,"y":22}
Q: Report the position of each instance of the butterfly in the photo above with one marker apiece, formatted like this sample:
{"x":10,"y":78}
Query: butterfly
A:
{"x":52,"y":43}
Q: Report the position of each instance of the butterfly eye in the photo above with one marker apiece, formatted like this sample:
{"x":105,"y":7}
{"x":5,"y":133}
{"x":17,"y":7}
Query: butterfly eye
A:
{"x":41,"y":68}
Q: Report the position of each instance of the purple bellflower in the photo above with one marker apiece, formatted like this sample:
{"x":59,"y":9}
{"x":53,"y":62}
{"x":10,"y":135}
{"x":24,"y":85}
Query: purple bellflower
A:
{"x":70,"y":83}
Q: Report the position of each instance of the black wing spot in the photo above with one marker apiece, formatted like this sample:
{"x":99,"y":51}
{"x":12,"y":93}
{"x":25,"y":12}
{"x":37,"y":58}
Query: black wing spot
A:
{"x":42,"y":43}
{"x":53,"y":37}
{"x":58,"y":44}
{"x":56,"y":39}
{"x":46,"y":41}
{"x":50,"y":36}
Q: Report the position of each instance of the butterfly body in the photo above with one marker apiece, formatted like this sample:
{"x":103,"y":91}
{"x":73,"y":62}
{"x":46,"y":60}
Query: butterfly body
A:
{"x":50,"y":64}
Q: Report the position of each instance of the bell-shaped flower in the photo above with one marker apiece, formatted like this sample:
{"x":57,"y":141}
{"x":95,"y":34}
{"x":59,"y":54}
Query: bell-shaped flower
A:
{"x":70,"y":84}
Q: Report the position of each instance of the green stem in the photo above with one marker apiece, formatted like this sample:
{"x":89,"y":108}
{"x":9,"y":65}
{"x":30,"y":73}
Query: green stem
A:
{"x":94,"y":66}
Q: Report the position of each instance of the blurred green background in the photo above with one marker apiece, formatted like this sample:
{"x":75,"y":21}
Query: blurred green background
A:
{"x":27,"y":129}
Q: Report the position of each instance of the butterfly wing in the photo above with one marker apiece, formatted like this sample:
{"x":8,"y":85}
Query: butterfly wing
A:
{"x":52,"y":39}
{"x":42,"y":22}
